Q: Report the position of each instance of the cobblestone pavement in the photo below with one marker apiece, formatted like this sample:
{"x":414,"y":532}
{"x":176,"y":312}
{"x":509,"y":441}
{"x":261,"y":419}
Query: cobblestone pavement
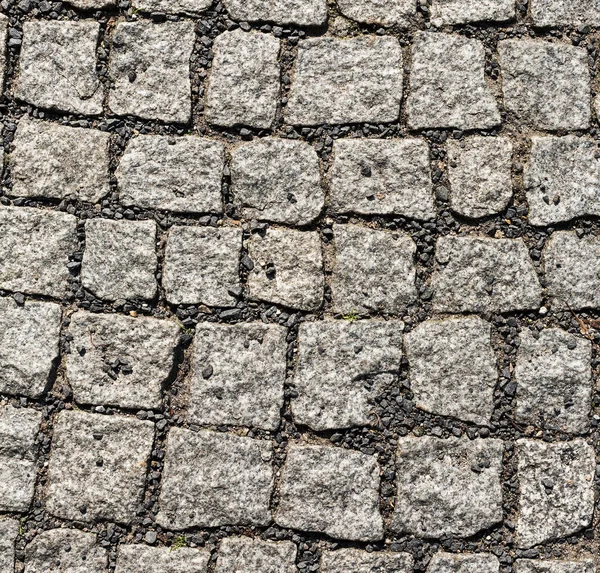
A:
{"x":300,"y":286}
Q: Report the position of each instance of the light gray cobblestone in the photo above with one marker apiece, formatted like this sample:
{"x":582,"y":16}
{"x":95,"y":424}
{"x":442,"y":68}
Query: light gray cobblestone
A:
{"x":92,"y":4}
{"x":360,"y":561}
{"x":191,"y":7}
{"x":444,"y":12}
{"x":386,"y":13}
{"x":554,"y":566}
{"x":298,"y":12}
{"x":565,"y":12}
{"x":9,"y":530}
{"x":144,"y":559}
{"x":4,"y":23}
{"x":465,"y":563}
{"x":255,"y":556}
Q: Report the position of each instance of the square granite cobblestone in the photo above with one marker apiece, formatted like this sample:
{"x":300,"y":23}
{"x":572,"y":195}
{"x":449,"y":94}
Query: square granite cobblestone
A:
{"x":554,"y":566}
{"x":450,"y":563}
{"x":399,"y":12}
{"x":144,"y":559}
{"x":565,"y":12}
{"x":191,"y":7}
{"x":9,"y":530}
{"x":298,"y":12}
{"x":360,"y":561}
{"x":255,"y":556}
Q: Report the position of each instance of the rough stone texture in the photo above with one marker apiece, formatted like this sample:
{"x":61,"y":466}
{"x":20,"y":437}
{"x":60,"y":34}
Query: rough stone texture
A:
{"x":359,"y":561}
{"x":181,"y":174}
{"x":452,"y":368}
{"x":37,"y":265}
{"x":4,"y":22}
{"x":444,"y":12}
{"x":447,"y":84}
{"x":92,"y":4}
{"x":191,"y":7}
{"x":238,"y":373}
{"x":288,"y":269}
{"x":299,"y":12}
{"x":465,"y":563}
{"x":119,"y":261}
{"x":374,"y":271}
{"x":480,"y":175}
{"x":57,"y":66}
{"x":201,"y":265}
{"x":243,"y":90}
{"x":565,"y":12}
{"x":346,"y":81}
{"x":545,"y":85}
{"x":255,"y":556}
{"x":150,"y":67}
{"x":382,"y":177}
{"x":384,"y":13}
{"x":556,"y":490}
{"x":277,"y":180}
{"x":342,"y":366}
{"x":9,"y":530}
{"x":57,"y":161}
{"x":480,"y":274}
{"x":119,"y":360}
{"x":554,"y":566}
{"x":144,"y":559}
{"x":330,"y":490}
{"x":447,"y":486}
{"x":98,"y":466}
{"x":212,"y":479}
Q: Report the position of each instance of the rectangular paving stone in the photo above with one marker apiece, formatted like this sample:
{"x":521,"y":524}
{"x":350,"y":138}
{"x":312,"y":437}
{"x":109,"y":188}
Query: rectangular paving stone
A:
{"x":330,"y":490}
{"x":564,"y":12}
{"x":212,"y":479}
{"x":181,"y":174}
{"x":92,"y":4}
{"x":342,"y":366}
{"x":346,"y":81}
{"x":57,"y":161}
{"x":9,"y":530}
{"x":190,"y":7}
{"x":451,"y":563}
{"x":448,"y":12}
{"x":4,"y":23}
{"x":255,"y":556}
{"x":554,"y":566}
{"x":144,"y":559}
{"x":382,"y":177}
{"x":388,"y":13}
{"x":360,"y":561}
{"x":98,"y":466}
{"x":298,"y":12}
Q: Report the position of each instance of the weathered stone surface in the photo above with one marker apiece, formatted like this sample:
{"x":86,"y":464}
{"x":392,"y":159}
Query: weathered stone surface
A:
{"x":255,"y":556}
{"x":91,"y":4}
{"x":565,"y":12}
{"x":545,"y":85}
{"x":346,"y":81}
{"x":556,"y":489}
{"x":181,"y":174}
{"x":288,"y":269}
{"x":9,"y":530}
{"x":119,"y":261}
{"x":144,"y":559}
{"x":150,"y":68}
{"x":191,"y":7}
{"x":452,"y":368}
{"x":444,"y":12}
{"x":98,"y":466}
{"x":238,"y":372}
{"x":243,"y":90}
{"x":382,"y":177}
{"x":447,"y":486}
{"x":277,"y":180}
{"x":212,"y":479}
{"x":342,"y":366}
{"x":464,"y":563}
{"x":299,"y":12}
{"x":480,"y":175}
{"x":554,"y":566}
{"x":57,"y":66}
{"x":359,"y":561}
{"x":202,"y":265}
{"x":330,"y":490}
{"x":56,"y":161}
{"x":3,"y":36}
{"x":447,"y":84}
{"x":34,"y":250}
{"x":386,"y":13}
{"x":480,"y":274}
{"x":374,"y":271}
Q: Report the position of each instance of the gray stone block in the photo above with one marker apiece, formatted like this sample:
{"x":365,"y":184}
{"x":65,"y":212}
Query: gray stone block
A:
{"x":4,"y":23}
{"x":144,"y":559}
{"x":360,"y":561}
{"x":448,"y":12}
{"x":388,"y":13}
{"x":255,"y":556}
{"x":554,"y":566}
{"x":555,"y":13}
{"x":189,"y":7}
{"x":298,"y":12}
{"x":9,"y":530}
{"x":464,"y":563}
{"x":92,"y":4}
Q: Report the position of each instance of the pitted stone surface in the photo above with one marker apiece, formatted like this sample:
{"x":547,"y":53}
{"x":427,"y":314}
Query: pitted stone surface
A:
{"x":447,"y":487}
{"x":554,"y":566}
{"x":477,"y":274}
{"x":144,"y":559}
{"x":374,"y":271}
{"x":150,"y":68}
{"x":119,"y":261}
{"x":452,"y":368}
{"x":9,"y":530}
{"x":444,"y":12}
{"x":382,"y":177}
{"x":212,"y":479}
{"x":4,"y":22}
{"x":238,"y":373}
{"x":191,"y":7}
{"x":277,"y":180}
{"x":384,"y":13}
{"x":181,"y":174}
{"x":255,"y":556}
{"x":330,"y":490}
{"x":244,"y":90}
{"x":556,"y":485}
{"x":346,"y":81}
{"x":545,"y":85}
{"x":447,"y":84}
{"x":565,"y":12}
{"x":91,"y":4}
{"x":465,"y":563}
{"x":299,"y":12}
{"x":342,"y":366}
{"x":359,"y":561}
{"x":98,"y":466}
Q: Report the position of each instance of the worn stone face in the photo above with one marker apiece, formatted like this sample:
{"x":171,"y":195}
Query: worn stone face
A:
{"x":342,"y":367}
{"x":3,"y":36}
{"x":445,"y":12}
{"x":464,"y":563}
{"x":480,"y":175}
{"x":9,"y":530}
{"x":565,"y":12}
{"x":98,"y":466}
{"x":452,"y":368}
{"x":57,"y":66}
{"x":386,"y":13}
{"x":382,"y":177}
{"x":150,"y":67}
{"x":374,"y":271}
{"x":144,"y":559}
{"x":299,"y":12}
{"x":91,"y":4}
{"x":191,"y":7}
{"x":288,"y":269}
{"x":277,"y":180}
{"x":554,"y":566}
{"x":330,"y":490}
{"x":119,"y":261}
{"x":359,"y":561}
{"x":556,"y":490}
{"x":480,"y":274}
{"x":202,"y":265}
{"x":447,"y":487}
{"x":545,"y":85}
{"x":181,"y":174}
{"x":255,"y":556}
{"x":243,"y":90}
{"x":346,"y":81}
{"x":447,"y":84}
